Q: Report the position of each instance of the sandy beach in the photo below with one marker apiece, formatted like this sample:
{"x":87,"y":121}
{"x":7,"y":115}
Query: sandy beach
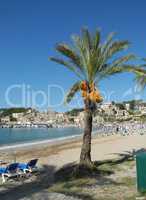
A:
{"x":118,"y":180}
{"x":59,"y":153}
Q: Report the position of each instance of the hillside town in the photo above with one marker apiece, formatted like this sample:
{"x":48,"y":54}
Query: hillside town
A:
{"x":105,"y":112}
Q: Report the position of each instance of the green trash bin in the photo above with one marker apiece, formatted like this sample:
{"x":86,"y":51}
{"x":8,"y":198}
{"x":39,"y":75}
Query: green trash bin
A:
{"x":141,"y":171}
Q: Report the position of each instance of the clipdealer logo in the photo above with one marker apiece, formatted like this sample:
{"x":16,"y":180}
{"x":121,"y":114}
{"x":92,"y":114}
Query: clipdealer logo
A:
{"x":29,"y":97}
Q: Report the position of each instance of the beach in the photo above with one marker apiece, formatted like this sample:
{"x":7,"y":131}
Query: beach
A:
{"x":61,"y":152}
{"x":118,"y":180}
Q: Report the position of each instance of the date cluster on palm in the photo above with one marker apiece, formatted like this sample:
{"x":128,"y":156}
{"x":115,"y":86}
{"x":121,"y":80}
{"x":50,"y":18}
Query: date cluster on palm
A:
{"x":89,"y":91}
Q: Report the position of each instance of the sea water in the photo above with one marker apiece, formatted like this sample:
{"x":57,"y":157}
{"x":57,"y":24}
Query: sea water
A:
{"x":12,"y":136}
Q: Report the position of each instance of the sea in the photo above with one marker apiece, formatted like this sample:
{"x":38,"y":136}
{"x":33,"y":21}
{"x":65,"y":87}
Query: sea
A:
{"x":18,"y":136}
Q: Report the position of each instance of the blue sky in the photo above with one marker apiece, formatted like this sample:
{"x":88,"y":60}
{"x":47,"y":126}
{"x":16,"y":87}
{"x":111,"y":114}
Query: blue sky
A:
{"x":29,"y":30}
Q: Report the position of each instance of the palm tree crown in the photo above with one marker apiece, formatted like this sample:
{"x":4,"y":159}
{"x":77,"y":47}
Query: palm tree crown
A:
{"x":91,"y":59}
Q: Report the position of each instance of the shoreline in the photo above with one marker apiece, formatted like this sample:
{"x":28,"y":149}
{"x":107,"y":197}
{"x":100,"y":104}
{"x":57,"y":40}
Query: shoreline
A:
{"x":50,"y":142}
{"x":38,"y":143}
{"x":35,"y":126}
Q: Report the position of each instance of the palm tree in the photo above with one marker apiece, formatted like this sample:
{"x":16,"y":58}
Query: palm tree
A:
{"x":91,"y":60}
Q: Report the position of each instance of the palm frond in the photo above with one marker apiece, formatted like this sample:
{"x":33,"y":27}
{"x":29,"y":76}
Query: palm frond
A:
{"x":87,"y":39}
{"x":141,"y":80}
{"x":140,"y":77}
{"x":96,"y":40}
{"x":74,"y":89}
{"x":108,"y":42}
{"x":117,"y":66}
{"x":123,"y":59}
{"x":108,"y":53}
{"x":116,"y":47}
{"x":79,"y":45}
{"x":115,"y":70}
{"x":66,"y":64}
{"x":67,"y":51}
{"x":73,"y":57}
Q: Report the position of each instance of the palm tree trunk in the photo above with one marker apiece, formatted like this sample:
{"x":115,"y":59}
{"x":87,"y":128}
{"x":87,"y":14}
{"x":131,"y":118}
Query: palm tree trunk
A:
{"x":85,"y":156}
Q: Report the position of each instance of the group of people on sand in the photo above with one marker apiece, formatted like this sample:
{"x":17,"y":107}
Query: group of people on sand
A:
{"x":125,"y":128}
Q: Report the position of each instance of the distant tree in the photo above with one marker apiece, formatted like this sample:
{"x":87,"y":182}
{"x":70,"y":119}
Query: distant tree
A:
{"x":74,"y":112}
{"x":121,"y":106}
{"x":10,"y":111}
{"x":132,"y":105}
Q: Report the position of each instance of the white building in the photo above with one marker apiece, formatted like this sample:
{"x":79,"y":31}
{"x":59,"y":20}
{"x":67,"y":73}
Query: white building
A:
{"x":127,"y":105}
{"x":17,"y":115}
{"x":106,"y":105}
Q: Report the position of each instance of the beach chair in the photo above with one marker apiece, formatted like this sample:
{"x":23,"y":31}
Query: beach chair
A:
{"x":28,"y":167}
{"x":10,"y":171}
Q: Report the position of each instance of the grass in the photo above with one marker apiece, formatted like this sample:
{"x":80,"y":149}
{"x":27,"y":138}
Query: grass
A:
{"x":104,"y":186}
{"x":106,"y":166}
{"x":128,"y":181}
{"x":74,"y":188}
{"x":129,"y":164}
{"x":109,"y":180}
